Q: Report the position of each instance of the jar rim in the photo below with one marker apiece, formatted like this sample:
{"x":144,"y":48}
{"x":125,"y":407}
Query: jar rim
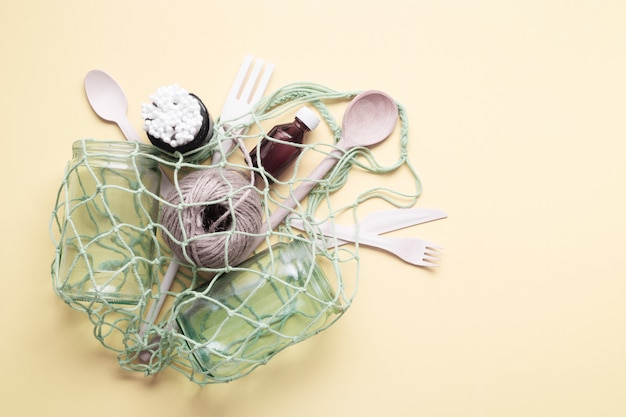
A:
{"x":93,"y":146}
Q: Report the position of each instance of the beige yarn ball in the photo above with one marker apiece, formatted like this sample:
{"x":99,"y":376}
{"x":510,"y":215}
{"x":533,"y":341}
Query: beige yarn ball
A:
{"x":213,"y":220}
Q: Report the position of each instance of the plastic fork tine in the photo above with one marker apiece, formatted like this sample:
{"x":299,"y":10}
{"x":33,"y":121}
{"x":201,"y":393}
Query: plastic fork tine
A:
{"x":265,"y":79}
{"x":434,"y":249}
{"x":241,"y":76}
{"x":432,"y":256}
{"x":247,"y":90}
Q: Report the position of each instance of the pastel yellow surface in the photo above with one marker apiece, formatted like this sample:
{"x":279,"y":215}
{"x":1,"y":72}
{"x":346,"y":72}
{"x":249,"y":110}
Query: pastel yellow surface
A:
{"x":516,"y":110}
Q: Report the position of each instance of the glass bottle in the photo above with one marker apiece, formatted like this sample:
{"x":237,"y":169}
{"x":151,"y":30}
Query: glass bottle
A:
{"x":276,"y":154}
{"x":242,"y":318}
{"x":108,"y":240}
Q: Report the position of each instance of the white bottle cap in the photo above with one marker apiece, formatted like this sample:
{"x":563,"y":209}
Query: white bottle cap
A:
{"x":307,"y":117}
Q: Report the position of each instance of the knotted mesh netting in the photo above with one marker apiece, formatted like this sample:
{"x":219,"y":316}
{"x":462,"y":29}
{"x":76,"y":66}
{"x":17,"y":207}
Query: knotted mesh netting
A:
{"x":218,"y":323}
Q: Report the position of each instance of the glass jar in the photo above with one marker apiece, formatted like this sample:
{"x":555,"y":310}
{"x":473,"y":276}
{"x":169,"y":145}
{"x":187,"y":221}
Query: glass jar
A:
{"x":242,"y":318}
{"x":108,"y":240}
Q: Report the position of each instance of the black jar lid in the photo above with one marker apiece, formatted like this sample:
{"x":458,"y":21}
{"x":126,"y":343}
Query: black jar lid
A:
{"x":202,"y":137}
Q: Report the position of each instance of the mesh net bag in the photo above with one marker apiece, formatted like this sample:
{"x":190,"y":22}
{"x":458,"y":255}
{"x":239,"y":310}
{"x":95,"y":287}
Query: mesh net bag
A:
{"x":217,"y":323}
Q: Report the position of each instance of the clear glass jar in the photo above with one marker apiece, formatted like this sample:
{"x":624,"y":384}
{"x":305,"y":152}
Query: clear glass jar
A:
{"x":108,"y":240}
{"x":242,"y":318}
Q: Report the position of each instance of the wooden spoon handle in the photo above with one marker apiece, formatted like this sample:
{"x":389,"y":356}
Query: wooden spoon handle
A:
{"x":303,"y":189}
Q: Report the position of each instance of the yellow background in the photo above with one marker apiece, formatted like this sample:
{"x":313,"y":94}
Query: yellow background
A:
{"x":516,"y":111}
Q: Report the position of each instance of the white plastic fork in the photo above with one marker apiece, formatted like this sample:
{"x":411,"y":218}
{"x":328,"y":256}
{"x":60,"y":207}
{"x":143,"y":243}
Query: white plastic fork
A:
{"x":242,"y":98}
{"x":412,"y":250}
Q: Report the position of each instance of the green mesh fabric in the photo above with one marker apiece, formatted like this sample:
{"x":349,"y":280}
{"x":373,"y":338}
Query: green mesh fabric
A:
{"x":149,"y":348}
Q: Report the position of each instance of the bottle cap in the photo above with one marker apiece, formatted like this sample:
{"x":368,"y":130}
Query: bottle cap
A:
{"x":307,"y":117}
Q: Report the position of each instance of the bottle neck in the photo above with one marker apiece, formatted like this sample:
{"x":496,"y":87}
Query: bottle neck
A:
{"x":300,"y":124}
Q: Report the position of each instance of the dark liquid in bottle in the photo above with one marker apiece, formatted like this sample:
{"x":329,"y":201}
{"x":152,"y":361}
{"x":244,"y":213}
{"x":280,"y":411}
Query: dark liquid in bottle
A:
{"x":276,"y":155}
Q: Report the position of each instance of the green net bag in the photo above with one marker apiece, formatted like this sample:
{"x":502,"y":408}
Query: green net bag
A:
{"x":218,"y":323}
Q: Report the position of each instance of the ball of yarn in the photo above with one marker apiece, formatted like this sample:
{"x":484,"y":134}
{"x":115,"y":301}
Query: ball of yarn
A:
{"x":213,"y":219}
